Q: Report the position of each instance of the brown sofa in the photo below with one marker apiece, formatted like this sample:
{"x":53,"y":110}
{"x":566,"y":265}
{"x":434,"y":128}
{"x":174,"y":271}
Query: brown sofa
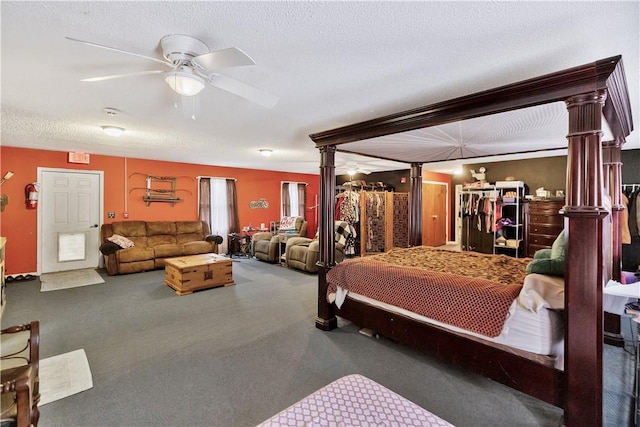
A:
{"x":153,"y":241}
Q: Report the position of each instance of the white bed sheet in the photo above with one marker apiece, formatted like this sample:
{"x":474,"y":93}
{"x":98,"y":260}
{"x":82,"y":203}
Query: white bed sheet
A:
{"x":533,"y":322}
{"x":539,"y":333}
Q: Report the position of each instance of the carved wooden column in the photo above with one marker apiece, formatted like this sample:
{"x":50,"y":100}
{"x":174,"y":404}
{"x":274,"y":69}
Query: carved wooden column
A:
{"x":584,"y":269}
{"x":612,"y":165}
{"x":415,"y":208}
{"x":326,"y":319}
{"x":612,"y":162}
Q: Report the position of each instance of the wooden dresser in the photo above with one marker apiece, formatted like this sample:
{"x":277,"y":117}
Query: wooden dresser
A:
{"x":543,"y":223}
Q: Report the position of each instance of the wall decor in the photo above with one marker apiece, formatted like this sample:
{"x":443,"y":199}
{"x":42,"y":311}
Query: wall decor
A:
{"x":259,"y":204}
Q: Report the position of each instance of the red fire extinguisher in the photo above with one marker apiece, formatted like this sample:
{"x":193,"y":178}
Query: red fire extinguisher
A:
{"x":31,"y":195}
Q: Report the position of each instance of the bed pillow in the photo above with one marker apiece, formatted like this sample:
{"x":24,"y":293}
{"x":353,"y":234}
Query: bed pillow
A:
{"x":542,"y":291}
{"x":542,"y":254}
{"x":548,"y":266}
{"x":552,"y":266}
{"x":121,"y":241}
{"x":558,"y":246}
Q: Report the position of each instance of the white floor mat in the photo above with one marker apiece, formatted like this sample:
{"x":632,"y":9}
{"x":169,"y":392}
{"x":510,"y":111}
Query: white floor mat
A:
{"x":64,"y":375}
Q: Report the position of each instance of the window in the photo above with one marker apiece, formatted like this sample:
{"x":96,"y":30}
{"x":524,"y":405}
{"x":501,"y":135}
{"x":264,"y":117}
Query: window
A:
{"x":219,"y":207}
{"x":293,"y":199}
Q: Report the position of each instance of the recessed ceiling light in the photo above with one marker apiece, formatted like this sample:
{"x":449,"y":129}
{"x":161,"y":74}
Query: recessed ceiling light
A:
{"x":265,"y":152}
{"x":113,"y":130}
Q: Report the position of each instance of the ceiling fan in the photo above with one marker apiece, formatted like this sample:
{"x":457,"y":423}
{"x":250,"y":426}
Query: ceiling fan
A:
{"x":191,"y":65}
{"x":351,"y":168}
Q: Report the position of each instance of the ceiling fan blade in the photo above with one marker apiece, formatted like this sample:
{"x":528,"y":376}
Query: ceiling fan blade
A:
{"x":117,"y":76}
{"x":244,"y":90}
{"x":231,"y":57}
{"x":119,"y":50}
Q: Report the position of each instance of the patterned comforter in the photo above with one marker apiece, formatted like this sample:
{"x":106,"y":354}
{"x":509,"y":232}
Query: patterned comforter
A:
{"x":468,"y":290}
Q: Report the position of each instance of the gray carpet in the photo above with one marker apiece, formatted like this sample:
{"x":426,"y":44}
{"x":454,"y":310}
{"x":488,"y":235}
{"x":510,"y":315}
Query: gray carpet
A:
{"x":235,"y":356}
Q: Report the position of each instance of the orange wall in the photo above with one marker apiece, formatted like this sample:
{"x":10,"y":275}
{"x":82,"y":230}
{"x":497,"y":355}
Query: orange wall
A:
{"x":19,"y":224}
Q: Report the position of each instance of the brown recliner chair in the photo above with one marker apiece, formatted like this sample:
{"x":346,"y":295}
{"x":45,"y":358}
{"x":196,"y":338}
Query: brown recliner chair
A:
{"x":266,"y":246}
{"x":303,"y":253}
{"x":20,"y":375}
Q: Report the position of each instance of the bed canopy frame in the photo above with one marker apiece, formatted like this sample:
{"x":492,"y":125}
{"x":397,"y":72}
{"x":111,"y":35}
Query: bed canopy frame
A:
{"x":591,"y":92}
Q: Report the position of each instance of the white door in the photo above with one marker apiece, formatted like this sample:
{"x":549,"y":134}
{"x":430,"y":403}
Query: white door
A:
{"x":69,"y":214}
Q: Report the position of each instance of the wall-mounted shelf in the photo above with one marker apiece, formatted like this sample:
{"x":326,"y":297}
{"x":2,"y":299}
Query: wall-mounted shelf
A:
{"x":159,"y":194}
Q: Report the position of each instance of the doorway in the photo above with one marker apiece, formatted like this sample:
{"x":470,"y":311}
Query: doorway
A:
{"x":69,"y":219}
{"x":434,"y":213}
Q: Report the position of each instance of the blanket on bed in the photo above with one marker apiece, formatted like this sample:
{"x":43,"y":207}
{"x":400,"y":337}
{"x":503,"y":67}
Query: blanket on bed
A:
{"x":476,"y":297}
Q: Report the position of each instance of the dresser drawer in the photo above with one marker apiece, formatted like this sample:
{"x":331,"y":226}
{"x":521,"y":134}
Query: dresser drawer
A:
{"x":542,"y":239}
{"x":551,"y":230}
{"x":547,"y":220}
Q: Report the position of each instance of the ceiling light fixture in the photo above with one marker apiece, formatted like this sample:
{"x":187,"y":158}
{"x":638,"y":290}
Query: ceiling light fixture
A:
{"x":184,"y":82}
{"x":266,"y":152}
{"x":113,"y":130}
{"x":351,"y":172}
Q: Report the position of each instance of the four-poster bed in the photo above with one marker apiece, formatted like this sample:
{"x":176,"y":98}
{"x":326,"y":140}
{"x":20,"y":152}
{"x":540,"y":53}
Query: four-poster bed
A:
{"x":590,"y":92}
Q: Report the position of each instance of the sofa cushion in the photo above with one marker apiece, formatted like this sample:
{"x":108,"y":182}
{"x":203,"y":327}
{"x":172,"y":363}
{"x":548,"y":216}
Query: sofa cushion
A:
{"x":189,"y":227}
{"x":195,"y":248}
{"x":155,"y":228}
{"x":167,"y":250}
{"x":161,"y":239}
{"x":137,"y":253}
{"x":130,"y":228}
{"x":186,"y":238}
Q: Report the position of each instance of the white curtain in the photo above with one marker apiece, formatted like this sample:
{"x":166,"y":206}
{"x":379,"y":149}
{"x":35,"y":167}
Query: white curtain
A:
{"x":219,"y":216}
{"x":293,"y":200}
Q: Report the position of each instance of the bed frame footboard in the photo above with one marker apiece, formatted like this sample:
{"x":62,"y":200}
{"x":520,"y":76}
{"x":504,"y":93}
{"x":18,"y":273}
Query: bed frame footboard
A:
{"x":528,"y":376}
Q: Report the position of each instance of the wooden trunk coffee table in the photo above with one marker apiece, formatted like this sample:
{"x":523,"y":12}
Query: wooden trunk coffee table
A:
{"x":194,"y":272}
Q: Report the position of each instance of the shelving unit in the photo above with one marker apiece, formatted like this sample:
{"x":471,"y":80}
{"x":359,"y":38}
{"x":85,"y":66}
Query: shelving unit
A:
{"x":509,"y":232}
{"x":475,"y":234}
{"x":484,"y":231}
{"x":154,"y":193}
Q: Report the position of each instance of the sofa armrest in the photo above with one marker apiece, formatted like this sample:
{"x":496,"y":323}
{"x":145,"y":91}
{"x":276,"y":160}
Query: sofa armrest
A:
{"x":214,"y":238}
{"x":108,"y":248}
{"x":265,"y":235}
{"x":299,"y":241}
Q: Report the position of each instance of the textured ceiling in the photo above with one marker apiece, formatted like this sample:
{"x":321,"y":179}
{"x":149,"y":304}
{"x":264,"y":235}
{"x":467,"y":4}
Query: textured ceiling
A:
{"x":330,"y":63}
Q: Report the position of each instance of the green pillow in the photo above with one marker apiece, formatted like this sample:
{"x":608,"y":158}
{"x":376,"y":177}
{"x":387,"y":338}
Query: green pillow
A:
{"x":547,"y":266}
{"x":557,"y":249}
{"x":542,"y":254}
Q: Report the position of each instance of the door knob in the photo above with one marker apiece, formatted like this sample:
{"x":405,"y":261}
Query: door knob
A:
{"x":94,"y":226}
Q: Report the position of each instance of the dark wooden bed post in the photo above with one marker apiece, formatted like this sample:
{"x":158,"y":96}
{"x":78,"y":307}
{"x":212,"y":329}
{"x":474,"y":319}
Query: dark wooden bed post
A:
{"x":584,"y":272}
{"x":415,"y":207}
{"x":613,"y":183}
{"x":611,"y":151}
{"x":326,"y":319}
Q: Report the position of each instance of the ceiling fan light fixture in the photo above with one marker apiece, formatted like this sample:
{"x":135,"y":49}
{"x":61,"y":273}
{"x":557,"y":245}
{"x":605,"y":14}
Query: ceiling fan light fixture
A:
{"x":113,"y":130}
{"x":184,"y":83}
{"x":266,"y":152}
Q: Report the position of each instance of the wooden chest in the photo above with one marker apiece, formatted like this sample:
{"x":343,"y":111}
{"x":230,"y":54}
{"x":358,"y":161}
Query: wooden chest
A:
{"x":543,"y":223}
{"x":194,"y":272}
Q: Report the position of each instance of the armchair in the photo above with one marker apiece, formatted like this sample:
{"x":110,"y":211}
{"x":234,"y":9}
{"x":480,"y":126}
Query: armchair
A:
{"x":303,"y":253}
{"x":20,"y":375}
{"x":265,"y":246}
